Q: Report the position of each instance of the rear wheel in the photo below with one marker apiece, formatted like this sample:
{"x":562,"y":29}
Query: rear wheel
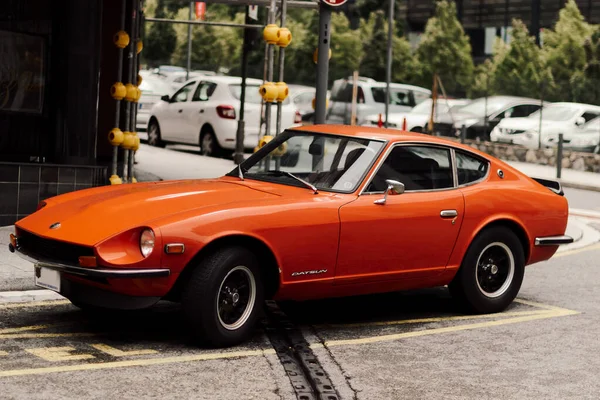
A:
{"x":492,"y":271}
{"x":209,"y":146}
{"x":417,"y":129}
{"x":222,"y":299}
{"x":154,"y":138}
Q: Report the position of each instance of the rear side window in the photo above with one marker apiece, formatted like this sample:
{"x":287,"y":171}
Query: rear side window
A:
{"x":470,"y":169}
{"x":398,"y":97}
{"x":343,"y":93}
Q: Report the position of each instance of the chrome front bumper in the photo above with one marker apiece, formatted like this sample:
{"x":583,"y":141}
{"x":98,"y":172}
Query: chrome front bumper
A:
{"x":553,"y":240}
{"x":90,"y":272}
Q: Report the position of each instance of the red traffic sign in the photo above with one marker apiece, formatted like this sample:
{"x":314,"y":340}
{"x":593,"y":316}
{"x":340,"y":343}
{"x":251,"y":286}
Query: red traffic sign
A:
{"x":334,"y":3}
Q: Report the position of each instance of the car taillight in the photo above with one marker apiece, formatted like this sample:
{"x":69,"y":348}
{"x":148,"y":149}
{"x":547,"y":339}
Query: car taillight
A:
{"x":298,"y":117}
{"x":226,"y":112}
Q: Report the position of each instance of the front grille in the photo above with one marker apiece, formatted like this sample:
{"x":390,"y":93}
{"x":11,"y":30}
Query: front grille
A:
{"x":444,"y":129}
{"x":52,"y":250}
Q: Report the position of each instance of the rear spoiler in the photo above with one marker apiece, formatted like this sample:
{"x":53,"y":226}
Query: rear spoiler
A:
{"x":555,"y":186}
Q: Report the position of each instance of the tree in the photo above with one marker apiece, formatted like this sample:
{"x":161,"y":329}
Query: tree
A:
{"x":563,"y":50}
{"x":522,"y":71}
{"x":161,"y":40}
{"x":445,"y":49}
{"x":485,"y":72}
{"x":587,"y":82}
{"x":373,"y":63}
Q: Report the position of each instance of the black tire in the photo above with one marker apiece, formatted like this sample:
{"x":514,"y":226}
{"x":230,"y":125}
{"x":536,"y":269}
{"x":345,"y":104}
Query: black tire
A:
{"x":207,"y":297}
{"x":209,"y":145}
{"x":154,"y":137}
{"x":484,"y":283}
{"x":417,"y":129}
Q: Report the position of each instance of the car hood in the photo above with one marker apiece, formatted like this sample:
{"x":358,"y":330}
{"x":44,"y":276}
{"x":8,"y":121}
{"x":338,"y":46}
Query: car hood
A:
{"x":525,"y":124}
{"x":89,"y":216}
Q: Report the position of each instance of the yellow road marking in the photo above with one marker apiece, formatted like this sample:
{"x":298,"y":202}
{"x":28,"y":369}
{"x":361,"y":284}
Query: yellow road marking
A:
{"x":136,"y":363}
{"x":34,"y":304}
{"x":3,"y":353}
{"x":540,"y":305}
{"x":120,"y":353}
{"x":23,"y":329}
{"x":45,"y":335}
{"x":436,"y":331}
{"x":55,"y":354}
{"x":576,"y":251}
{"x":429,"y":320}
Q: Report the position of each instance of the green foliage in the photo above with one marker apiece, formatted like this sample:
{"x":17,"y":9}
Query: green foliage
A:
{"x":485,"y":72}
{"x":587,"y":82}
{"x":563,"y":49}
{"x":161,"y":38}
{"x":445,"y":50}
{"x":522,"y":71}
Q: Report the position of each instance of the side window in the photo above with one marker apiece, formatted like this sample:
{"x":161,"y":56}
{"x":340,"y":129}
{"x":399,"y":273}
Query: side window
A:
{"x":470,"y":168}
{"x":397,"y":96}
{"x":521,"y":111}
{"x":204,"y":91}
{"x":182,"y":94}
{"x":417,"y":167}
{"x":588,"y":116}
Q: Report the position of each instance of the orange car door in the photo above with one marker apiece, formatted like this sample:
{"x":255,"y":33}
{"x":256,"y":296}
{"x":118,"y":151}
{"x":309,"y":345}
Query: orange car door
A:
{"x":411,"y":233}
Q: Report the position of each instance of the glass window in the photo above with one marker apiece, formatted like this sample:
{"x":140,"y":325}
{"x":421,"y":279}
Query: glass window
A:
{"x":588,"y":116}
{"x":470,"y":168}
{"x":417,"y":167}
{"x":399,"y":97}
{"x":182,"y":94}
{"x":330,"y":163}
{"x":343,"y":93}
{"x":204,"y":91}
{"x":420,"y":96}
{"x":556,"y":112}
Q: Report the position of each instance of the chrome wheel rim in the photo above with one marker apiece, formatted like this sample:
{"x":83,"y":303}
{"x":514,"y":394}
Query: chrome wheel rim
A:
{"x":495,"y":270}
{"x":207,"y":144}
{"x":153,"y":135}
{"x":236,"y":298}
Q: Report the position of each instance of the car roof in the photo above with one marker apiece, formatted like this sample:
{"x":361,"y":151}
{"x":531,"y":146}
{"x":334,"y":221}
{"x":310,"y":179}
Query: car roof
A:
{"x":401,"y":86}
{"x":229,"y":79}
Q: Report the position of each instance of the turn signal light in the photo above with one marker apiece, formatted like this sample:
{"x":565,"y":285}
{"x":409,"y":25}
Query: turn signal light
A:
{"x":87,"y":261}
{"x":174,"y":248}
{"x":13,"y":240}
{"x":227,"y":112}
{"x":297,"y":117}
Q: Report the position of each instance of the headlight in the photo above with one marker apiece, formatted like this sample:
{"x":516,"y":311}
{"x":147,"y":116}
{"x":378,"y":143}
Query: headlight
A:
{"x":147,"y":242}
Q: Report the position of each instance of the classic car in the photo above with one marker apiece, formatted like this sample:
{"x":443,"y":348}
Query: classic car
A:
{"x":358,"y":210}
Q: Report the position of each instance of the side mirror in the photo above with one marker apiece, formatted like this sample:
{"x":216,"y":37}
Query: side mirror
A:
{"x":580,"y":121}
{"x":315,"y":149}
{"x":165,"y":97}
{"x":394,"y":188}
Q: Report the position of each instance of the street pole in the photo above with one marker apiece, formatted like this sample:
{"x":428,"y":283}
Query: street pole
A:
{"x":541,"y":112}
{"x":238,"y":156}
{"x":388,"y":69}
{"x":322,"y":63}
{"x":189,"y":43}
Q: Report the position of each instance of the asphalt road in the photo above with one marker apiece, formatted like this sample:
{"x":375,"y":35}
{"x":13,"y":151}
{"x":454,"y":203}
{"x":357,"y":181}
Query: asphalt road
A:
{"x":583,"y":199}
{"x":394,"y":346}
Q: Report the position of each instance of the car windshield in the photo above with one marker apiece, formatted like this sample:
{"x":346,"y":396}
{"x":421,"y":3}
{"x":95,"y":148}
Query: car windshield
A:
{"x":555,"y":113}
{"x":330,"y":163}
{"x":478,"y":107}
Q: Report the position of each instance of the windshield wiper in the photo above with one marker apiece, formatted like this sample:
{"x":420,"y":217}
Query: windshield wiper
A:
{"x":311,"y":186}
{"x":240,"y":172}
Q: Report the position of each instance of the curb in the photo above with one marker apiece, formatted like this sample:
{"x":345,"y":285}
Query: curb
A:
{"x":572,"y":185}
{"x":28,"y":296}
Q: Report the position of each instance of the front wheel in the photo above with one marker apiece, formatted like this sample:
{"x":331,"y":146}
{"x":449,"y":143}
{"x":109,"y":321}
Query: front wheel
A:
{"x":222,"y":299}
{"x":492,"y":271}
{"x":209,"y":145}
{"x":154,"y":137}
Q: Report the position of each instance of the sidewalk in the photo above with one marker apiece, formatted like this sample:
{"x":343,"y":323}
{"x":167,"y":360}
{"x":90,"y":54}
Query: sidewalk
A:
{"x":570,"y":178}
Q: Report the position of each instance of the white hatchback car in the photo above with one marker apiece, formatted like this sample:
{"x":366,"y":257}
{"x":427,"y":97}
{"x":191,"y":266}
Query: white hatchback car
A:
{"x":565,"y":118}
{"x":205,"y":112}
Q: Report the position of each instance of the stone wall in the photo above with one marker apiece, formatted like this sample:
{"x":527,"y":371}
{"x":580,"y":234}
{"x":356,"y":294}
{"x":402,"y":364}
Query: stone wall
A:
{"x":508,"y":152}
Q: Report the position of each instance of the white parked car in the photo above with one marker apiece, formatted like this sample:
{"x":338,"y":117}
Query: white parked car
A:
{"x":418,"y":118}
{"x":153,"y":88}
{"x":586,"y":139}
{"x":370,"y":99}
{"x":176,"y":79}
{"x":205,"y":112}
{"x":565,"y":118}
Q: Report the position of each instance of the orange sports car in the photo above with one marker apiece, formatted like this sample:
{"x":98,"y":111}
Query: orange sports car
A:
{"x":319,"y":211}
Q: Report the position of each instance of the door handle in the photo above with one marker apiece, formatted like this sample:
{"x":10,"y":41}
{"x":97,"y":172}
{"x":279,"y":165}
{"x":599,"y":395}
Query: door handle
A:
{"x":202,"y":111}
{"x":448,"y":213}
{"x":180,"y":111}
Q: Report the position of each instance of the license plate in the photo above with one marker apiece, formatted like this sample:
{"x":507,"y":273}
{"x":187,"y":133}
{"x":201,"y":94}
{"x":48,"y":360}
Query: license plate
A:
{"x":47,"y":278}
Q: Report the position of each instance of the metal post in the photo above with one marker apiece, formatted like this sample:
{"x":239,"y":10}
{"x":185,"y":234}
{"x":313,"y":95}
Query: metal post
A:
{"x":388,"y":68}
{"x":270,"y":54}
{"x":134,"y":72}
{"x":281,"y":76}
{"x":485,"y":118}
{"x":238,"y":156}
{"x":322,"y":63}
{"x":541,"y":112}
{"x":189,"y":43}
{"x":559,"y":156}
{"x":463,"y":133}
{"x":131,"y":49}
{"x":115,"y":154}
